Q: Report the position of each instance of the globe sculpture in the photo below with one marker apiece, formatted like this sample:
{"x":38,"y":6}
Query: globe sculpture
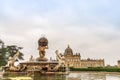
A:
{"x":42,"y":45}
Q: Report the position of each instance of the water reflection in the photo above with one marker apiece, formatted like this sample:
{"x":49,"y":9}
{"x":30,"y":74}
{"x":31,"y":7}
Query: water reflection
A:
{"x":93,"y":76}
{"x":86,"y":76}
{"x":50,"y":77}
{"x":80,"y":76}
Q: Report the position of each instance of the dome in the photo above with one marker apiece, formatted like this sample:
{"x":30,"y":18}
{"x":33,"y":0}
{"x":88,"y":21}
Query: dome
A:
{"x":43,"y":41}
{"x":68,"y":51}
{"x":88,"y":59}
{"x":119,"y":61}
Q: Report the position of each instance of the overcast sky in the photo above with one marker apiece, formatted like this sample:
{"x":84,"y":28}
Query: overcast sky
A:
{"x":90,"y":27}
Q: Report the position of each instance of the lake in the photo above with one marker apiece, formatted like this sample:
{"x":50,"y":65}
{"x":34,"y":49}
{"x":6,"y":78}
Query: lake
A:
{"x":82,"y":76}
{"x":93,"y":76}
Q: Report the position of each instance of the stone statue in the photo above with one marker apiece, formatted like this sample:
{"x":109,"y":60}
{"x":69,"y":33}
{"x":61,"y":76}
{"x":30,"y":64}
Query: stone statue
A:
{"x":12,"y":60}
{"x":42,"y":45}
{"x":31,"y":58}
{"x":42,"y":51}
{"x":61,"y":60}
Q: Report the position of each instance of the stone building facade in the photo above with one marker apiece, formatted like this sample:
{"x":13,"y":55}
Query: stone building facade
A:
{"x":74,"y":60}
{"x":92,"y":63}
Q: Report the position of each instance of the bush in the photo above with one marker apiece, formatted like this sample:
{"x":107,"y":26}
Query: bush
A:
{"x":106,"y":69}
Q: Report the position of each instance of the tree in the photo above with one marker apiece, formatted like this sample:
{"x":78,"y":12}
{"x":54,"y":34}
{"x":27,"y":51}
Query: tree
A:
{"x":7,"y":51}
{"x":3,"y":58}
{"x":12,"y":49}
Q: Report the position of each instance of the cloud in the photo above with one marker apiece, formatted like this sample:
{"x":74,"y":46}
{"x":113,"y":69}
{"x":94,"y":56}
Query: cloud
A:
{"x":84,"y":26}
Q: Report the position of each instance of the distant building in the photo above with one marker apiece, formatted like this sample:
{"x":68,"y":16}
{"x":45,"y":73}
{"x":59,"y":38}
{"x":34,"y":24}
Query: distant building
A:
{"x":118,"y":63}
{"x":92,"y":63}
{"x":74,"y":60}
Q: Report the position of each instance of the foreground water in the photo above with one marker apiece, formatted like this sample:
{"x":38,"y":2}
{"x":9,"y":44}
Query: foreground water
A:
{"x":93,"y":76}
{"x":82,"y":76}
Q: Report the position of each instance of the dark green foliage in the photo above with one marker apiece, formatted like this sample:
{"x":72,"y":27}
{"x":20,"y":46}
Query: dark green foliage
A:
{"x":13,"y":50}
{"x":7,"y":51}
{"x":2,"y":53}
{"x":106,"y":69}
{"x":3,"y":57}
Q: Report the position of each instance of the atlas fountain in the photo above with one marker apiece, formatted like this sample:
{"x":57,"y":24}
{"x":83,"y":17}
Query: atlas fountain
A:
{"x":39,"y":66}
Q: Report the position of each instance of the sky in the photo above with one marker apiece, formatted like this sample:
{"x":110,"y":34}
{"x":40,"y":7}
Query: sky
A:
{"x":90,"y":27}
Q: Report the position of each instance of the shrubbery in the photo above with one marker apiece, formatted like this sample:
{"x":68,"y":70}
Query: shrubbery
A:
{"x":106,"y":69}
